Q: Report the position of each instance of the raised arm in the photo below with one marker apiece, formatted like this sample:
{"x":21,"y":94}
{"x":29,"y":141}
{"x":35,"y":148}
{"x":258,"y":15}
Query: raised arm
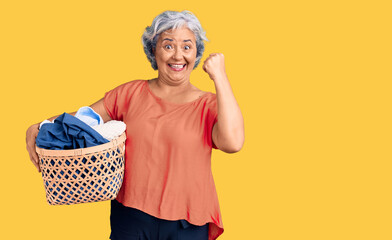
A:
{"x":228,"y":132}
{"x":32,"y":131}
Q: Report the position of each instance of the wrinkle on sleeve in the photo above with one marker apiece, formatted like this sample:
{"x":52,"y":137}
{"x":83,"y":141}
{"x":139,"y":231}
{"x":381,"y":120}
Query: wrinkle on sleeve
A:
{"x":213,"y":123}
{"x":117,"y":100}
{"x":110,"y":101}
{"x":212,"y":118}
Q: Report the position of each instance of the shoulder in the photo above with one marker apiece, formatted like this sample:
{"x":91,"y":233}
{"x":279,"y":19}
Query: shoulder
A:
{"x":132,"y":83}
{"x":125,"y":91}
{"x":211,"y":102}
{"x":211,"y":97}
{"x":128,"y":86}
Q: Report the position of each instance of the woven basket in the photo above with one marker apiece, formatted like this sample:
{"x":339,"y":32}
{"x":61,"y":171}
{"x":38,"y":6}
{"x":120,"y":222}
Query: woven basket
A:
{"x":83,"y":175}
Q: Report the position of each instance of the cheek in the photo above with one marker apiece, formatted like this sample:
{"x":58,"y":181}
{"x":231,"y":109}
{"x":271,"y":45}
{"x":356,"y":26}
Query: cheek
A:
{"x":160,"y":57}
{"x":191,"y":58}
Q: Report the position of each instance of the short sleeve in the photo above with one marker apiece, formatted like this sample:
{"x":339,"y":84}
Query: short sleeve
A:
{"x":212,"y":118}
{"x":212,"y":141}
{"x":117,"y":100}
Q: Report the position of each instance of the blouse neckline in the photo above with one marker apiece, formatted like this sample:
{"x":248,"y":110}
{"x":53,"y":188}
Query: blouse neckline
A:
{"x":172,"y":103}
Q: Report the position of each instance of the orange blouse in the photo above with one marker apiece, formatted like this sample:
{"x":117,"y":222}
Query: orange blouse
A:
{"x":168,"y":155}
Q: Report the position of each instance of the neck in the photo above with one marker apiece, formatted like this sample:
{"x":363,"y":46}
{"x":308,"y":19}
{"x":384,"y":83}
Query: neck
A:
{"x":168,"y":87}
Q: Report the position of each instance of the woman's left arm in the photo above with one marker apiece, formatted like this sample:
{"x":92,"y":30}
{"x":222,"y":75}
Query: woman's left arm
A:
{"x":228,"y":132}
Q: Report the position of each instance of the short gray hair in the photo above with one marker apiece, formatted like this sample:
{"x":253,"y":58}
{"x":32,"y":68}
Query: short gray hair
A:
{"x":172,"y":20}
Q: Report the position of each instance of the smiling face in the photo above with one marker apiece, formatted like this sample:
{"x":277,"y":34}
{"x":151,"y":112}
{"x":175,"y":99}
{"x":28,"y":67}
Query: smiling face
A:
{"x":175,"y":54}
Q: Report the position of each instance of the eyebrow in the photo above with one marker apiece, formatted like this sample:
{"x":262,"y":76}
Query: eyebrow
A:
{"x":171,"y":40}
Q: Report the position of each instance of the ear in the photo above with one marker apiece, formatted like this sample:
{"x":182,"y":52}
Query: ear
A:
{"x":153,"y":51}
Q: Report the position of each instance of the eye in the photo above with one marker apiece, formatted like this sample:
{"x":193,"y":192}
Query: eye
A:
{"x":187,"y":47}
{"x":168,"y":46}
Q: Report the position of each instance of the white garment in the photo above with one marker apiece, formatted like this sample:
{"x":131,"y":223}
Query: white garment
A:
{"x":111,"y":129}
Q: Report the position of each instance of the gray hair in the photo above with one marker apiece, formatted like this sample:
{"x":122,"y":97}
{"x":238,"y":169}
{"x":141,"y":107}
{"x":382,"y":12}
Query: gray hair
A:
{"x":172,"y":20}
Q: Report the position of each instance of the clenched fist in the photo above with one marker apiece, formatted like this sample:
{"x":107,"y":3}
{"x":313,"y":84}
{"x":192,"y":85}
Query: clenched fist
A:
{"x":214,"y":65}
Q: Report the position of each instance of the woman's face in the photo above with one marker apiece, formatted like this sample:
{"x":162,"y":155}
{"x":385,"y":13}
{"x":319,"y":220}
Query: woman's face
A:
{"x":175,"y":54}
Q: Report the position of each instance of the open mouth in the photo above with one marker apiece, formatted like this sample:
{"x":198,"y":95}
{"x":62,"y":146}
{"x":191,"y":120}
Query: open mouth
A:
{"x":177,"y":67}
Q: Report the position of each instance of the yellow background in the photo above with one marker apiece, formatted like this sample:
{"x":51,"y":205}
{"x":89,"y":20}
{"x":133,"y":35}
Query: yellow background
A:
{"x":312,"y":78}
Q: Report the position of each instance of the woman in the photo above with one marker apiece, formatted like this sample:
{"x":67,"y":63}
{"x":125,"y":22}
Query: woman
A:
{"x":168,"y":190}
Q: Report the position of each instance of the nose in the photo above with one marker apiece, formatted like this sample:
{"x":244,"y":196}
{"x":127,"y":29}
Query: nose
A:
{"x":177,"y":55}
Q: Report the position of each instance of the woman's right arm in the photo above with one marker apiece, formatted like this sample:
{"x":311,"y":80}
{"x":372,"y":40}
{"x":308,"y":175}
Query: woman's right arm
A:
{"x":32,"y":131}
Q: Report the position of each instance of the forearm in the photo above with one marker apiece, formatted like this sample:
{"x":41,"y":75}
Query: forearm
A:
{"x":230,"y":125}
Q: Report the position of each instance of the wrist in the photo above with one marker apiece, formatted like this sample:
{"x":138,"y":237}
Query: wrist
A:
{"x":220,"y":77}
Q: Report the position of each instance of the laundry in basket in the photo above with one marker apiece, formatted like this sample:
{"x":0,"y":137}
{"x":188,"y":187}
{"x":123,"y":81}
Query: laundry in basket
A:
{"x":88,"y":174}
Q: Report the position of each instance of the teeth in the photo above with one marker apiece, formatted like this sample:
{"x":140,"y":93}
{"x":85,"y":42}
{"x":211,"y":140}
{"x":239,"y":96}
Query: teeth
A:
{"x":177,"y":66}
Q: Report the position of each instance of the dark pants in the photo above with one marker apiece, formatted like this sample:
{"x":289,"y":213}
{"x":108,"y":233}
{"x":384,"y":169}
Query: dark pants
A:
{"x":132,"y":224}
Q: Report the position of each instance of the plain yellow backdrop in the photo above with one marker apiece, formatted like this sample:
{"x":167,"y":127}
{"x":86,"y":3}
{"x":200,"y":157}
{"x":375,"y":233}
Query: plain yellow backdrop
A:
{"x":312,"y":78}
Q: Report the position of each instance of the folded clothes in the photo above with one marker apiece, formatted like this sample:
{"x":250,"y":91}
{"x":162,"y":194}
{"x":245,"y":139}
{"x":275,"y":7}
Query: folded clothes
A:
{"x":68,"y":132}
{"x":111,"y":129}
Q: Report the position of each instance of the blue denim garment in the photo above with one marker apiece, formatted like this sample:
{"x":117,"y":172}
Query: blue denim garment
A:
{"x":68,"y":132}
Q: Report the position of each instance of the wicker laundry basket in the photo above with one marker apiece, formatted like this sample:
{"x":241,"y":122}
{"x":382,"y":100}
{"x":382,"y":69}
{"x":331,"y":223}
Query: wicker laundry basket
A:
{"x":83,"y":175}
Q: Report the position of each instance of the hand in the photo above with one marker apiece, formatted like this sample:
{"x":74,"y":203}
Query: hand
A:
{"x":214,"y":65}
{"x":31,"y":135}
